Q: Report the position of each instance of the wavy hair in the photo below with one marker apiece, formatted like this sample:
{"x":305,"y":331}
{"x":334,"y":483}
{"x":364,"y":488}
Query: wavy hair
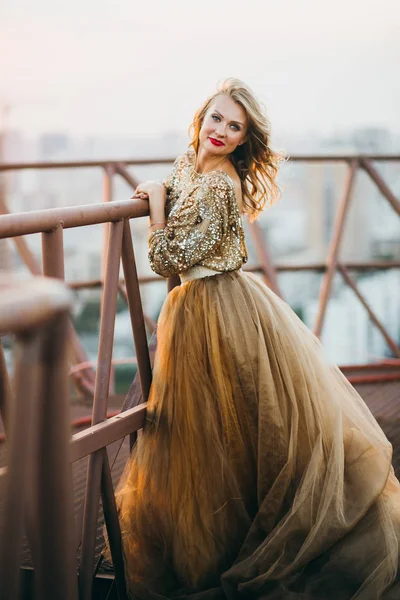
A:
{"x":255,"y":162}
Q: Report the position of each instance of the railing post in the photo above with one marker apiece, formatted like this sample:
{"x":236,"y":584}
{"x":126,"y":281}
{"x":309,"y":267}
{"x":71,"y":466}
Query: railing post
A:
{"x":53,"y":472}
{"x":53,"y":266}
{"x":108,"y":173}
{"x":334,"y":246}
{"x":38,"y":479}
{"x":5,"y":390}
{"x":20,"y":462}
{"x":173,"y":282}
{"x":55,"y":557}
{"x":95,"y":464}
{"x":53,"y":253}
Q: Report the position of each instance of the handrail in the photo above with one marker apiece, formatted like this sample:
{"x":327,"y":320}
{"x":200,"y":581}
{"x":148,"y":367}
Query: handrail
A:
{"x":14,"y":225}
{"x":39,"y":221}
{"x":116,"y":215}
{"x":84,"y":164}
{"x":24,"y":307}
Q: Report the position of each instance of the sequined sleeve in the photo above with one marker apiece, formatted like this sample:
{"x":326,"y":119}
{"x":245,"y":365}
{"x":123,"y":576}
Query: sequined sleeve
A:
{"x":167,"y":182}
{"x":194,"y":231}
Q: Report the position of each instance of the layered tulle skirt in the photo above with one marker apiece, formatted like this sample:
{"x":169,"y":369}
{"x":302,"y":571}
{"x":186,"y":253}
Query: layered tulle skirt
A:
{"x":260,"y":473}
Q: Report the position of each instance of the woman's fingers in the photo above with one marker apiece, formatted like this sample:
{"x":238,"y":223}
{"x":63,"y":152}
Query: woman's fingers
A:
{"x":141,"y":195}
{"x":144,"y":189}
{"x":140,"y":190}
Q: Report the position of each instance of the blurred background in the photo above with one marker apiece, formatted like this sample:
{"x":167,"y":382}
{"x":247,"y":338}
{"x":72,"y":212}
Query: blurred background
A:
{"x":121,"y":80}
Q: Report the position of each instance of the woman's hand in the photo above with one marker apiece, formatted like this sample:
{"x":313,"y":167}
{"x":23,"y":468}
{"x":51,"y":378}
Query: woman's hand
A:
{"x":149,"y":190}
{"x":156,"y":194}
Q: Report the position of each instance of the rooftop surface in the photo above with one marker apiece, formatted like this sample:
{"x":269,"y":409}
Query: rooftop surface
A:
{"x":383,"y":399}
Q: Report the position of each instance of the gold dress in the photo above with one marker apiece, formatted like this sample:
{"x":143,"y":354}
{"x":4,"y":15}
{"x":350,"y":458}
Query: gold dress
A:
{"x":260,"y":473}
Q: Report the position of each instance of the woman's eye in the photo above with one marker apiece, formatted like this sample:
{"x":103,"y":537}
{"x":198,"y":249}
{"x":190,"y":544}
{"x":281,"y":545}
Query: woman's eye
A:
{"x":217,"y":118}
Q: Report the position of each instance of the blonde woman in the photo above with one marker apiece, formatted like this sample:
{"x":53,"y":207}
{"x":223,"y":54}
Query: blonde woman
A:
{"x":261,"y":473}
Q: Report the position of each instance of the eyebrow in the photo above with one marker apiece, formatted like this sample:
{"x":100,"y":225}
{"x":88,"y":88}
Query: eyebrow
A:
{"x":237,"y":122}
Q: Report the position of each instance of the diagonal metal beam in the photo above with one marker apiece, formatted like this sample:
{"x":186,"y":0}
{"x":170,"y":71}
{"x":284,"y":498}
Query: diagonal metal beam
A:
{"x":333,"y":251}
{"x":380,"y":183}
{"x":264,"y":256}
{"x":136,"y":311}
{"x":113,"y":527}
{"x":124,"y":173}
{"x":136,"y":315}
{"x":351,"y":283}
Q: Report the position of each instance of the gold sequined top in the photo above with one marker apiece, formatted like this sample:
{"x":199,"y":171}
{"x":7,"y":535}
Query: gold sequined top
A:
{"x":203,"y":225}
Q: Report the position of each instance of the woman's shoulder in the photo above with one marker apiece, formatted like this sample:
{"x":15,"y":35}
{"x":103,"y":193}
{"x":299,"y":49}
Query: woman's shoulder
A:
{"x":184,"y":160}
{"x":225,"y":185}
{"x":176,"y":175}
{"x":219,"y":180}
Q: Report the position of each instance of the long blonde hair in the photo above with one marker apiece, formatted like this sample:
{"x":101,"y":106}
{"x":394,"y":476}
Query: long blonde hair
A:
{"x":255,"y":162}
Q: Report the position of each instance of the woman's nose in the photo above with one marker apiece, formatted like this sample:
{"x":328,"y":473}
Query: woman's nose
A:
{"x":220,"y":131}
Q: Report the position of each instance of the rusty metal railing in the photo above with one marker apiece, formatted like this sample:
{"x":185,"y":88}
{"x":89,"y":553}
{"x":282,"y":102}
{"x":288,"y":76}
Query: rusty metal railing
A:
{"x":37,"y":483}
{"x":93,"y":441}
{"x":332,"y":265}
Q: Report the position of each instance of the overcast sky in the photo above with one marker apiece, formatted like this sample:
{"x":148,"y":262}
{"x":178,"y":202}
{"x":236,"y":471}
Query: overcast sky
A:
{"x":119,"y":67}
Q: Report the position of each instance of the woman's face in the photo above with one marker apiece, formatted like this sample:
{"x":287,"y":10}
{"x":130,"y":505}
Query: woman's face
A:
{"x":224,"y":126}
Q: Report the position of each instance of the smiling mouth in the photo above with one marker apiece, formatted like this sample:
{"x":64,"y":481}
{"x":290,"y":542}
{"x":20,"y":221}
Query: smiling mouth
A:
{"x":216,"y":142}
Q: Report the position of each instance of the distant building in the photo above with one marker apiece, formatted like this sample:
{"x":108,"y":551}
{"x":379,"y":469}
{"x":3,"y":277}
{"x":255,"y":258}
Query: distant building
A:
{"x":298,"y":229}
{"x":52,"y":145}
{"x":370,"y":217}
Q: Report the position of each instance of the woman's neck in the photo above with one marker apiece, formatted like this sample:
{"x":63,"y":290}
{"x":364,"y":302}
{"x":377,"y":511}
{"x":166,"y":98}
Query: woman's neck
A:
{"x":206,"y":162}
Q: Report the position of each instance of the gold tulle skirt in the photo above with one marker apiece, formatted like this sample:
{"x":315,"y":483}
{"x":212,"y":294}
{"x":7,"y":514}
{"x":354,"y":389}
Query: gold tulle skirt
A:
{"x":260,"y":473}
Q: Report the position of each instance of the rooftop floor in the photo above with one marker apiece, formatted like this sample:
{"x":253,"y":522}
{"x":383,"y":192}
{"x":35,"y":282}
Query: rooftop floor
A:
{"x":382,"y":398}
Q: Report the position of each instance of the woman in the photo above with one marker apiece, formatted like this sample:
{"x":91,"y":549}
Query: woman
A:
{"x":260,"y":473}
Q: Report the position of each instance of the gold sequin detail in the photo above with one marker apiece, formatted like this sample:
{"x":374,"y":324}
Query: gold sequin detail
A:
{"x":204,"y":225}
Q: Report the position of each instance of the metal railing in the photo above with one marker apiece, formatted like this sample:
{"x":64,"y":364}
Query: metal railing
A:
{"x":37,"y":483}
{"x":93,"y":441}
{"x":330,"y":267}
{"x":84,"y":378}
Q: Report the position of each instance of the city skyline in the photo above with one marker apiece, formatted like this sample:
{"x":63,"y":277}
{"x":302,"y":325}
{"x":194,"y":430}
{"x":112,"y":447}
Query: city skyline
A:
{"x":101,"y":69}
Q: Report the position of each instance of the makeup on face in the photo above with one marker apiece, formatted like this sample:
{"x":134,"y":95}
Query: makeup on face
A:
{"x":224,"y":125}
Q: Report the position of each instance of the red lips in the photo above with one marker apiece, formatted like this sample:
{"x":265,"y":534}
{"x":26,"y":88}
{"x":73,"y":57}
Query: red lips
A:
{"x":216,"y":142}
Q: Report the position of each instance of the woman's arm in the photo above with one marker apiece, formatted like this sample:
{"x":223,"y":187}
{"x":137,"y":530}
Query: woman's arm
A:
{"x":156,"y":193}
{"x":194,"y":231}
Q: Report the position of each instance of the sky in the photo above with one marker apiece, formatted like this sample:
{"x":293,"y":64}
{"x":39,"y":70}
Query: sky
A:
{"x":142,"y":68}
